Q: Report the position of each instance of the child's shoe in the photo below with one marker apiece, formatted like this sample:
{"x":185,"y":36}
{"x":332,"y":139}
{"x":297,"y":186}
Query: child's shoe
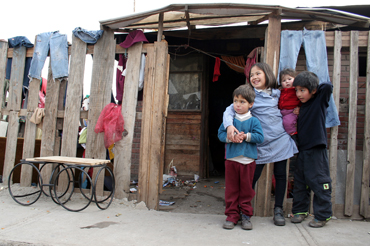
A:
{"x":317,"y":223}
{"x":228,"y":225}
{"x":246,"y":222}
{"x":279,"y":217}
{"x":298,"y":218}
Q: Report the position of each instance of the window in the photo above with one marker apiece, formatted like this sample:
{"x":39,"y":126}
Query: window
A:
{"x":184,"y":85}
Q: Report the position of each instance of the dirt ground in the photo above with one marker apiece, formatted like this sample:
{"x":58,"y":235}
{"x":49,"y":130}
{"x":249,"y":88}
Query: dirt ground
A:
{"x":206,"y":197}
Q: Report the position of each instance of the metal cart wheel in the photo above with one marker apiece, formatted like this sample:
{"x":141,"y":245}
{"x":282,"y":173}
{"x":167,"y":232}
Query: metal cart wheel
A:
{"x":104,"y":203}
{"x":25,"y":195}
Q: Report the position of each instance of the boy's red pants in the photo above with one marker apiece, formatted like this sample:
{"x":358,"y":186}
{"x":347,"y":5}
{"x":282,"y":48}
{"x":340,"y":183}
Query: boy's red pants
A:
{"x":238,"y":189}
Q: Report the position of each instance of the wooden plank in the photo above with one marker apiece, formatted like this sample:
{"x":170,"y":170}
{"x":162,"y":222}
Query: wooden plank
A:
{"x":100,"y":96}
{"x":146,"y":125}
{"x":272,"y":42}
{"x":16,"y":79}
{"x":160,"y":26}
{"x":3,"y":62}
{"x":362,"y":40}
{"x":333,"y":148}
{"x":158,"y":123}
{"x":74,"y":95}
{"x":263,"y":192}
{"x":69,"y":160}
{"x":50,"y":122}
{"x":352,"y":119}
{"x":364,"y":203}
{"x":11,"y":145}
{"x":30,"y":131}
{"x":123,"y":148}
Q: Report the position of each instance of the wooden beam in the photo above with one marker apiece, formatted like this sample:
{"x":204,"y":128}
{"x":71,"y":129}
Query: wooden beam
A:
{"x":100,"y":96}
{"x":160,"y":27}
{"x":333,"y":148}
{"x":272,"y":42}
{"x":364,"y":203}
{"x":352,"y":119}
{"x":123,"y":148}
{"x":263,"y":192}
{"x":3,"y":61}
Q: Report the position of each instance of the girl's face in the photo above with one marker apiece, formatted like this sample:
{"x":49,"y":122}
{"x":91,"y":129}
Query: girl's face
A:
{"x":257,"y":78}
{"x":287,"y":81}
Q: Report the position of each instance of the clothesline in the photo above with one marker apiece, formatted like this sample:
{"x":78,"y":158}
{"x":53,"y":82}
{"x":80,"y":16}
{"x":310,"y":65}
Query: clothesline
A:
{"x":201,"y":51}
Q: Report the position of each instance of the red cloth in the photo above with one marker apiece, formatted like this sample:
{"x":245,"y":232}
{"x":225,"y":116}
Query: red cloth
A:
{"x":238,"y":189}
{"x":132,"y":38}
{"x":251,"y":60}
{"x":288,"y":99}
{"x":111,"y":123}
{"x":216,"y":71}
{"x":120,"y":79}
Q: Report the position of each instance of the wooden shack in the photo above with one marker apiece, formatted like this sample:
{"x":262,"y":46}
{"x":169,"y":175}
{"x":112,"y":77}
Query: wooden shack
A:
{"x":177,"y":120}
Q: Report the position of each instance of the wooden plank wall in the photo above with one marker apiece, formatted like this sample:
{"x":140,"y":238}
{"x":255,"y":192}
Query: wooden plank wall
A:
{"x":183,"y":131}
{"x":66,"y":118}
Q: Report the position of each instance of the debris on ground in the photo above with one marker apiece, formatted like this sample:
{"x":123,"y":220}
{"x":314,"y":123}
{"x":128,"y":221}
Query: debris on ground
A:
{"x":165,"y":203}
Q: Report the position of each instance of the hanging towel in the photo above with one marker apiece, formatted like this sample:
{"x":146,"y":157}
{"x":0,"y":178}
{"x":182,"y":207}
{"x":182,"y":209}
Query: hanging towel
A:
{"x":111,"y":123}
{"x":216,"y":72}
{"x":37,"y":117}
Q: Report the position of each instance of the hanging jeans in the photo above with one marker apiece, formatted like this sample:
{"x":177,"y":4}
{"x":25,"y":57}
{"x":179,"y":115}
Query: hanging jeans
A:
{"x":314,"y":45}
{"x":58,"y":45}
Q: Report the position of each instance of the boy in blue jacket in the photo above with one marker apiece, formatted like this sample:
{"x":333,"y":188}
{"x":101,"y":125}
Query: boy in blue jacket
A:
{"x":240,"y":159}
{"x":312,"y":166}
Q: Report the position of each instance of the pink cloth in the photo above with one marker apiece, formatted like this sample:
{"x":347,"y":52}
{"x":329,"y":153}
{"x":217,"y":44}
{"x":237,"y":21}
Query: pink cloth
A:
{"x":111,"y":123}
{"x":42,"y":93}
{"x":251,"y":60}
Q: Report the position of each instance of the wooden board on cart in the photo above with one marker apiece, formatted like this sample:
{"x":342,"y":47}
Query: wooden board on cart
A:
{"x":69,"y":160}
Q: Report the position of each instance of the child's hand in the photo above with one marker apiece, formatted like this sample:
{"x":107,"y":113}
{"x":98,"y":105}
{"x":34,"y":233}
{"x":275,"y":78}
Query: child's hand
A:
{"x":231,"y":130}
{"x":296,"y":111}
{"x":239,"y":137}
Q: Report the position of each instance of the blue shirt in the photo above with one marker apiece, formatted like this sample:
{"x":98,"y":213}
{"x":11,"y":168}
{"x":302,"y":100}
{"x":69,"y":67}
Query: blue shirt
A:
{"x":248,"y":149}
{"x":277,"y":144}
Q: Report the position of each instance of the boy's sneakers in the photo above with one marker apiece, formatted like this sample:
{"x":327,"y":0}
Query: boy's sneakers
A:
{"x":279,"y":217}
{"x":298,"y":218}
{"x":228,"y":225}
{"x":246,"y":222}
{"x":317,"y":223}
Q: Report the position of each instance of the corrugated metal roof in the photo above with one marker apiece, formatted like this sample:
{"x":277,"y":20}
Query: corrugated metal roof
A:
{"x":183,"y":15}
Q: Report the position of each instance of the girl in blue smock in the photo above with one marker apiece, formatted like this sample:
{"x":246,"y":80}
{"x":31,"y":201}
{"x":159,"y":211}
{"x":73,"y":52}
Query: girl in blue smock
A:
{"x":277,"y":146}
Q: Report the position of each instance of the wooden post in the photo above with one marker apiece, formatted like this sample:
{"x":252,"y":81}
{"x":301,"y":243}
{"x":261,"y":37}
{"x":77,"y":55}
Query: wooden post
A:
{"x":155,"y":112}
{"x":74,"y":95}
{"x":14,"y":106}
{"x":333,"y":152}
{"x":3,"y":61}
{"x":263,"y":192}
{"x":100,"y":96}
{"x":364,"y":204}
{"x":272,"y":42}
{"x":160,"y":27}
{"x":50,"y":122}
{"x":352,"y":119}
{"x":123,"y":148}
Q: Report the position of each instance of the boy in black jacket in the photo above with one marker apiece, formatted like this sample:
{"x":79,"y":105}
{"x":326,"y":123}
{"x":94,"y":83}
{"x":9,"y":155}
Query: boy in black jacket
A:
{"x":312,"y":166}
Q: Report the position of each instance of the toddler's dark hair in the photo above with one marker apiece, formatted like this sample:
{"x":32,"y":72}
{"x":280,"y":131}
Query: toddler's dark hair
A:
{"x":287,"y":71}
{"x":270,"y":77}
{"x":308,"y":80}
{"x":246,"y":91}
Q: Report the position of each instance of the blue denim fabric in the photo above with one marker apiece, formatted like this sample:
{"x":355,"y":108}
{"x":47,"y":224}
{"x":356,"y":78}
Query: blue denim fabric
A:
{"x":316,"y":60}
{"x":58,"y":45}
{"x":89,"y":37}
{"x":19,"y":41}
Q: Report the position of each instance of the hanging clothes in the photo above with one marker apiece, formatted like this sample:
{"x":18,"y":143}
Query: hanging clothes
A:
{"x":314,"y":45}
{"x":120,"y":78}
{"x":216,"y":71}
{"x":111,"y":123}
{"x":239,"y":61}
{"x":251,"y":60}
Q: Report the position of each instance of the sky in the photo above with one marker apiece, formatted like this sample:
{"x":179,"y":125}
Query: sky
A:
{"x":29,"y":18}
